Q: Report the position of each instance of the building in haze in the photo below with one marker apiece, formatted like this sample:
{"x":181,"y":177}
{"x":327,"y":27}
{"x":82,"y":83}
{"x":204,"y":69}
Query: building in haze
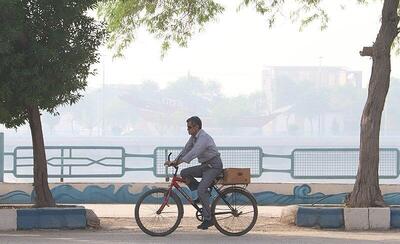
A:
{"x":310,"y":91}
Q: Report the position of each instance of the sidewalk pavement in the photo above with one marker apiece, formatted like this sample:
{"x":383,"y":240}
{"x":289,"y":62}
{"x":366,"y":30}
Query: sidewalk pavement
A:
{"x":127,"y":210}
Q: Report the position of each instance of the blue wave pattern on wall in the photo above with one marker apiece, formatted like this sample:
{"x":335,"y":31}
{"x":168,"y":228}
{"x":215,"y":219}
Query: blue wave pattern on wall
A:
{"x":13,"y":197}
{"x":392,"y":198}
{"x":96,"y":194}
{"x":301,"y":195}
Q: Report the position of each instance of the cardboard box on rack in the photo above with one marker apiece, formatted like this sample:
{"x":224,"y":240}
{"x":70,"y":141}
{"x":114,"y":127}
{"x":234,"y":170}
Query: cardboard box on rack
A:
{"x":236,"y":176}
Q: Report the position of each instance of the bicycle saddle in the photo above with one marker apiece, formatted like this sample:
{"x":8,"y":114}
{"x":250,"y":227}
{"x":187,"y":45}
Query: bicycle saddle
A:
{"x":220,"y":176}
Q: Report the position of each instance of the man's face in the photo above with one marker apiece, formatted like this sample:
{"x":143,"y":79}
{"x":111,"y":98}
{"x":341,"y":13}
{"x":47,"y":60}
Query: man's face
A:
{"x":192,"y":128}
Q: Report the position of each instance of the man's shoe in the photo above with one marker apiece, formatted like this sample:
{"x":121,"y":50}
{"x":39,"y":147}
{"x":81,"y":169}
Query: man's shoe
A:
{"x":205,"y":224}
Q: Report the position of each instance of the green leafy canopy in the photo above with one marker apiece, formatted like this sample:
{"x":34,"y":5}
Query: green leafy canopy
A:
{"x":176,"y":21}
{"x":46,"y":50}
{"x":169,"y":20}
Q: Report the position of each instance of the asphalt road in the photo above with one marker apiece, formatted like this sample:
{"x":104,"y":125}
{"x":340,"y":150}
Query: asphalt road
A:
{"x":210,"y":236}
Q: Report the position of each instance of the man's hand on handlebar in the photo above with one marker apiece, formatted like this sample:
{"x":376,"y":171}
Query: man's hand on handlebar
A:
{"x":171,"y":163}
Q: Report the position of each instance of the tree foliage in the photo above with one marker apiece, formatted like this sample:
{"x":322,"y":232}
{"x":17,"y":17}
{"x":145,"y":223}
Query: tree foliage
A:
{"x":46,"y":49}
{"x":303,"y":12}
{"x":176,"y":21}
{"x":169,"y":20}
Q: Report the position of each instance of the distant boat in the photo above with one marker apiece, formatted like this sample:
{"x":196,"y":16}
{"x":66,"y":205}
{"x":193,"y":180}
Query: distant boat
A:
{"x":162,"y":110}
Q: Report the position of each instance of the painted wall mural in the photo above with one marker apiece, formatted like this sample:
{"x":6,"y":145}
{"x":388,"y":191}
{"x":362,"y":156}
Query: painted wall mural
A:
{"x":68,"y":194}
{"x":123,"y":194}
{"x":301,"y":195}
{"x":18,"y":197}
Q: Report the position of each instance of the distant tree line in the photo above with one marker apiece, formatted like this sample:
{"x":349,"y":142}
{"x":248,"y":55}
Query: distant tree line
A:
{"x":121,"y":107}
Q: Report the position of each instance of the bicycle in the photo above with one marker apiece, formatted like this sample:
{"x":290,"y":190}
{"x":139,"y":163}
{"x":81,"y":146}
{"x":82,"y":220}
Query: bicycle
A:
{"x":159,"y":211}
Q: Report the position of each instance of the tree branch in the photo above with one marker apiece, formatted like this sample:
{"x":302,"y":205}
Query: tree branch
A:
{"x":367,"y":51}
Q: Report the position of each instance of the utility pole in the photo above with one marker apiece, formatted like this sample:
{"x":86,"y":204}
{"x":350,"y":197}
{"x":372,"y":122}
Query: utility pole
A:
{"x":102,"y":96}
{"x":318,"y":88}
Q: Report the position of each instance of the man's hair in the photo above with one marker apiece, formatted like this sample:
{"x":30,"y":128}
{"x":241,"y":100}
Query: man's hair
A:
{"x":195,"y":120}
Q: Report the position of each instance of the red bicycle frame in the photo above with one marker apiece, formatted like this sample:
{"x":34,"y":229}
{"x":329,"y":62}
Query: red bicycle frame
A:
{"x":174,"y":183}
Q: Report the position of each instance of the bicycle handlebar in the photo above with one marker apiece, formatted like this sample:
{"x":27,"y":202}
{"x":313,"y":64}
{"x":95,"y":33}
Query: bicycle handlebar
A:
{"x":166,"y":167}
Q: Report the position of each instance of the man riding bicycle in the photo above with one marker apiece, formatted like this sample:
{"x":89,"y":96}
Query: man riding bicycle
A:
{"x":201,"y":146}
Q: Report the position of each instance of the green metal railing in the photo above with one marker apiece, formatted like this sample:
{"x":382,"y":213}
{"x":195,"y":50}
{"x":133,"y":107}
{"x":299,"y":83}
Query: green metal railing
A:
{"x":114,"y":162}
{"x":339,"y":163}
{"x":232,"y":157}
{"x":1,"y":157}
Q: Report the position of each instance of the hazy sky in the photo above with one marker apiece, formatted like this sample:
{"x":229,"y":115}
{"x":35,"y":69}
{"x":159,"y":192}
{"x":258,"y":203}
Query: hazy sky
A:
{"x":234,"y":49}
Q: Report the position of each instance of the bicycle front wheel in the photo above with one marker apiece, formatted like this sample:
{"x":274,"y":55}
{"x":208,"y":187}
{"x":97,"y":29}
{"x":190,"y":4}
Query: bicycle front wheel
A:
{"x":235,"y":211}
{"x":151,"y":220}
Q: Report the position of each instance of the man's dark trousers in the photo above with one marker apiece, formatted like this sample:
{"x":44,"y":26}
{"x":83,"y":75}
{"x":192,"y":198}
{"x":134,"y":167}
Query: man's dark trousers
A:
{"x":208,"y":172}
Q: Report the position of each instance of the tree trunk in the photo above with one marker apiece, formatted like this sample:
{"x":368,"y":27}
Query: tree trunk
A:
{"x":43,"y":197}
{"x":366,"y":191}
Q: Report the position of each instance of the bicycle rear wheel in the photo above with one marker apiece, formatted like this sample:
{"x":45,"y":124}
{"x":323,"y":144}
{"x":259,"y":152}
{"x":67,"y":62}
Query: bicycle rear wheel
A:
{"x":158,"y":224}
{"x":235,"y":211}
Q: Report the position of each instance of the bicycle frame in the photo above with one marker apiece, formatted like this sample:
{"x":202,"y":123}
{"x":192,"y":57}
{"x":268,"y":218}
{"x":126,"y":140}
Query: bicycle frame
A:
{"x":174,"y":183}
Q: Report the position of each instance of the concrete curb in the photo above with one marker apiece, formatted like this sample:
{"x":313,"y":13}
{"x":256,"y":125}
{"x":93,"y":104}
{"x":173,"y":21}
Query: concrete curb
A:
{"x":395,"y":217}
{"x":289,"y":214}
{"x":43,"y":218}
{"x":349,"y":218}
{"x":323,"y":217}
{"x":8,"y":219}
{"x":356,"y":218}
{"x":379,"y":218}
{"x":51,"y":218}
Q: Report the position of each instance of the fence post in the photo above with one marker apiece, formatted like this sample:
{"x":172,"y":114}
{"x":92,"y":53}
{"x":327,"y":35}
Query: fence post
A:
{"x":1,"y":157}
